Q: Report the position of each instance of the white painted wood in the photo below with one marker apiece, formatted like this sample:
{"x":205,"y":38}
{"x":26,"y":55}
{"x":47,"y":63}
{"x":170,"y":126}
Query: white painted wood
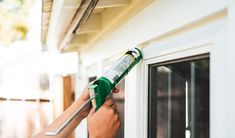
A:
{"x":112,"y":18}
{"x":65,"y":20}
{"x":100,"y":10}
{"x":131,"y":105}
{"x":231,"y":68}
{"x":78,"y":39}
{"x":52,"y":33}
{"x":59,"y":21}
{"x":72,"y":2}
{"x":219,"y":88}
{"x":112,"y":3}
{"x":83,"y":12}
{"x":105,"y":4}
{"x":142,"y":100}
{"x":93,"y":24}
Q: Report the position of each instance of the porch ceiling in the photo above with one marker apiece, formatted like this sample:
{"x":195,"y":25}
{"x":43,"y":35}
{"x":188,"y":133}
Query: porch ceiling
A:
{"x":60,"y":26}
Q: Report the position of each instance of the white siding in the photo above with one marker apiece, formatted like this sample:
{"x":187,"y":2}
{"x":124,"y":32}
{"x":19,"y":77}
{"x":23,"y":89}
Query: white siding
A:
{"x":160,"y":17}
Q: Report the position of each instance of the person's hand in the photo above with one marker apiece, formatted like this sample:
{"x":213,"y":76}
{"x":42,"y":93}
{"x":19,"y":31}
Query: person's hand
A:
{"x":105,"y":122}
{"x":84,"y":97}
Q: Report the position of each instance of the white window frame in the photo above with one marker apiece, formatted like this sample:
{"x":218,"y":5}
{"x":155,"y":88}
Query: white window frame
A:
{"x":184,"y":42}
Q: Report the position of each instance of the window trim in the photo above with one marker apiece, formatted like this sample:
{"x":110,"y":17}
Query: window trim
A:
{"x":213,"y":44}
{"x":200,"y":50}
{"x":152,"y":95}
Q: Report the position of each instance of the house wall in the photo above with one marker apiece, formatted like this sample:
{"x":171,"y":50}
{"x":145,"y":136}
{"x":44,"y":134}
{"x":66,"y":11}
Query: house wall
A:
{"x":160,"y":17}
{"x":162,"y":26}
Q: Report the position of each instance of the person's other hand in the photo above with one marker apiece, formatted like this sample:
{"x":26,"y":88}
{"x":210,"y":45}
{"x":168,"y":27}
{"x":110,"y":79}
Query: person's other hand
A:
{"x":105,"y":122}
{"x":84,"y":97}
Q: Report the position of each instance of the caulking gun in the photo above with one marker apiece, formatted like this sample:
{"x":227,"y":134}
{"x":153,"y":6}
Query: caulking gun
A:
{"x":101,"y":88}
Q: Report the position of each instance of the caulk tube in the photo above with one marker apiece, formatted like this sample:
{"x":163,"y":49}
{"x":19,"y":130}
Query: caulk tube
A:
{"x":104,"y":85}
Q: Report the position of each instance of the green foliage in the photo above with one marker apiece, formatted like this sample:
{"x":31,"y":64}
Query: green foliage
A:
{"x":13,"y":20}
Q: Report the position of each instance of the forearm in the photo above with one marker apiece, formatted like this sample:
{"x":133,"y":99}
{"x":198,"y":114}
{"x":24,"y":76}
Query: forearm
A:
{"x":61,"y":119}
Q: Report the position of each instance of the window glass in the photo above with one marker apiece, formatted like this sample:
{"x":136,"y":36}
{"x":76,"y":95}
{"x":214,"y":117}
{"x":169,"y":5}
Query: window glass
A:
{"x":90,"y":79}
{"x":179,"y":99}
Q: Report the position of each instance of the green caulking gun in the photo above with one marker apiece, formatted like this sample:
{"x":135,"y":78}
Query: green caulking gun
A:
{"x":101,"y":88}
{"x":104,"y":85}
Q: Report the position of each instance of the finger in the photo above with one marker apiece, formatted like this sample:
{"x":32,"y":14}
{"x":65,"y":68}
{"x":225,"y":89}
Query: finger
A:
{"x":88,"y":107}
{"x":92,"y":112}
{"x":85,"y":95}
{"x":116,"y":90}
{"x":114,"y":106}
{"x":108,"y":102}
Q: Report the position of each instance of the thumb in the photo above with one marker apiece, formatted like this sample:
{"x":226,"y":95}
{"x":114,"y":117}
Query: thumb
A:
{"x":92,"y":112}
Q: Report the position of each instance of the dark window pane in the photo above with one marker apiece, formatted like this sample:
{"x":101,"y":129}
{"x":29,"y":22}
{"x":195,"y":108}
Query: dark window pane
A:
{"x":90,"y":79}
{"x":179,"y":100}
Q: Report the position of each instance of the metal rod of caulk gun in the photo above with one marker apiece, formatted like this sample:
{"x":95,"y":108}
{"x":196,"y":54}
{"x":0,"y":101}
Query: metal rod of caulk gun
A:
{"x":61,"y":128}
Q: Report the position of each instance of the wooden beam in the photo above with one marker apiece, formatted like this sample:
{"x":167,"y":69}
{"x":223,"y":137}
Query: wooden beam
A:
{"x":112,"y":3}
{"x":76,"y":42}
{"x":92,"y":25}
{"x":78,"y":39}
{"x":46,"y":14}
{"x":114,"y":17}
{"x":72,"y":2}
{"x":107,"y":4}
{"x":100,"y":10}
{"x":47,"y":5}
{"x":81,"y":15}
